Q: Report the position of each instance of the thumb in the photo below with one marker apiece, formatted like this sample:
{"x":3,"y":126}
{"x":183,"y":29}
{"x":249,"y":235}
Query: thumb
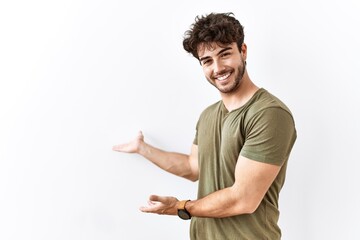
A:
{"x":156,"y":198}
{"x":140,"y":135}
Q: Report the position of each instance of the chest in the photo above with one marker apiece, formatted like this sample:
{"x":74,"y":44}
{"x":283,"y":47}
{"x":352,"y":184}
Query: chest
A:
{"x":220,"y":140}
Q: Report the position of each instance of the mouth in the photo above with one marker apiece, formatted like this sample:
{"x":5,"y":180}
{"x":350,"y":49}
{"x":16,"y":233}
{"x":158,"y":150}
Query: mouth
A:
{"x":223,"y":77}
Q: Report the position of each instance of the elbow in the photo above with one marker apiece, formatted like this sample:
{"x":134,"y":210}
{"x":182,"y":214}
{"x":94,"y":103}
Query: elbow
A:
{"x":245,"y":202}
{"x":194,"y":179}
{"x":191,"y":177}
{"x":246,"y":205}
{"x":245,"y":209}
{"x":250,"y":207}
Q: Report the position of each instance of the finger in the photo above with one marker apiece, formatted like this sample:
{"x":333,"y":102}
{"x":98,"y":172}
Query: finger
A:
{"x":118,"y":147}
{"x":157,"y":198}
{"x":144,"y":209}
{"x":153,"y":197}
{"x":140,"y":135}
{"x":147,"y":209}
{"x":151,"y":208}
{"x":151,"y":203}
{"x":162,"y":199}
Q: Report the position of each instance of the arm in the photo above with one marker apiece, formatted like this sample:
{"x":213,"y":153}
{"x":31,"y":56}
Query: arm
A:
{"x":176,"y":163}
{"x":252,"y":180}
{"x":274,"y":134}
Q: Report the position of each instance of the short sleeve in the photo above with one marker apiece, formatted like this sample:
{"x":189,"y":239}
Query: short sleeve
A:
{"x":270,"y":136}
{"x":195,"y":142}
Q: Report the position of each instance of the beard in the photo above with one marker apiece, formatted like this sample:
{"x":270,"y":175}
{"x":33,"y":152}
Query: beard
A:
{"x":232,"y":86}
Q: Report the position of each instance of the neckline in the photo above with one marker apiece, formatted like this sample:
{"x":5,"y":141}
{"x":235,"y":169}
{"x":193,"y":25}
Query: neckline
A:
{"x":226,"y":111}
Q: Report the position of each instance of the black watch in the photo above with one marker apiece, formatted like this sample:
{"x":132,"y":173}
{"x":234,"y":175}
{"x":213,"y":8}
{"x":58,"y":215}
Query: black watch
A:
{"x":182,"y":212}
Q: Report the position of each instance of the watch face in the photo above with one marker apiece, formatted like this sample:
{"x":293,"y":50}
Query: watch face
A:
{"x":183,"y":214}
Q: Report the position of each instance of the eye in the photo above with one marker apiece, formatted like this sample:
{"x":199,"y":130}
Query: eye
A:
{"x":225,"y":54}
{"x":206,"y":62}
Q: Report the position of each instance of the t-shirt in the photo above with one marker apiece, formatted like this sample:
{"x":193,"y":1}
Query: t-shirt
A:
{"x":262,"y":130}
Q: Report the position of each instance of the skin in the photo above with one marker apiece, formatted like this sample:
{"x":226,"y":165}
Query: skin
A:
{"x":224,"y":68}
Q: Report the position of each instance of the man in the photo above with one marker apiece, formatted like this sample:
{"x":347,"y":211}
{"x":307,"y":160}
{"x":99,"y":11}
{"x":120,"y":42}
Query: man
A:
{"x":241,"y":147}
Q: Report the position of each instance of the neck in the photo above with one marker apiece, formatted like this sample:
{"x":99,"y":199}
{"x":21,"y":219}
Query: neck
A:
{"x":241,"y":95}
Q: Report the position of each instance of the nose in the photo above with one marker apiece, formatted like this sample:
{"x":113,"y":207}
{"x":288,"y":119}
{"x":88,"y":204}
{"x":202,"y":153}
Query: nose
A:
{"x":218,"y":67}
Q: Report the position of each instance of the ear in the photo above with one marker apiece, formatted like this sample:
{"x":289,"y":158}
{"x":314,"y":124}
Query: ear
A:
{"x":243,"y":51}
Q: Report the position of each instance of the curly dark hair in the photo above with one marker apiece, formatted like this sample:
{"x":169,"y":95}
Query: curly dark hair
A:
{"x":221,"y":28}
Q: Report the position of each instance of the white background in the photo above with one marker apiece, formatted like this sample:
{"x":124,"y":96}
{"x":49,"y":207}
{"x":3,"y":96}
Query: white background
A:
{"x":77,"y":77}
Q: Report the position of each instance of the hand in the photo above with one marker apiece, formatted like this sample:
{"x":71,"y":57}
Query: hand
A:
{"x":131,"y":147}
{"x":161,"y":205}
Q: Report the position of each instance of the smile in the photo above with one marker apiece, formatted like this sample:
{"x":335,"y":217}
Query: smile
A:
{"x":223,"y":77}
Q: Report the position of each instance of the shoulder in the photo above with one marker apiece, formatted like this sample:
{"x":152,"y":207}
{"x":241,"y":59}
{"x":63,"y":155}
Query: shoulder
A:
{"x":269,"y":129}
{"x":264,"y":101}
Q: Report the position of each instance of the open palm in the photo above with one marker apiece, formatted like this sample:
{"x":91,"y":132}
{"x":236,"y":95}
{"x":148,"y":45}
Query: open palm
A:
{"x":132,"y":146}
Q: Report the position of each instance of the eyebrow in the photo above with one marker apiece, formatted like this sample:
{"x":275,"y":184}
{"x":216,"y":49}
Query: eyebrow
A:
{"x":220,"y":52}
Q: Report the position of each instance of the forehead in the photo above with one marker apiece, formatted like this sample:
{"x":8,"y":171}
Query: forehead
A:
{"x":212,"y":48}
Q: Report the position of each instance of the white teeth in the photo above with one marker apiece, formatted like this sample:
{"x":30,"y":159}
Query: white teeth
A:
{"x":223,"y":77}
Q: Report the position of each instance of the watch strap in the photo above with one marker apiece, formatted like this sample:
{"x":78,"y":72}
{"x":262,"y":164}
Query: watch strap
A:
{"x":182,"y":204}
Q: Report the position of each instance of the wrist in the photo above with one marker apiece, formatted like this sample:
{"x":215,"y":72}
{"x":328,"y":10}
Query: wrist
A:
{"x":182,"y":211}
{"x":142,"y":149}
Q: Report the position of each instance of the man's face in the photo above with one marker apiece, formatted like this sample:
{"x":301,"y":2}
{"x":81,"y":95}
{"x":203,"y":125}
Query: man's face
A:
{"x":223,"y":66}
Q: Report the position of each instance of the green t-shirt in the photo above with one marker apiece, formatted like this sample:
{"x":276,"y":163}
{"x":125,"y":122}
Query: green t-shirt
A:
{"x":262,"y":130}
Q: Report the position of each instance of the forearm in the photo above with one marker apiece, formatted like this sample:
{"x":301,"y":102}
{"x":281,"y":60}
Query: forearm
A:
{"x":172,"y":162}
{"x":252,"y":181}
{"x":220,"y":204}
{"x":223,"y":203}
